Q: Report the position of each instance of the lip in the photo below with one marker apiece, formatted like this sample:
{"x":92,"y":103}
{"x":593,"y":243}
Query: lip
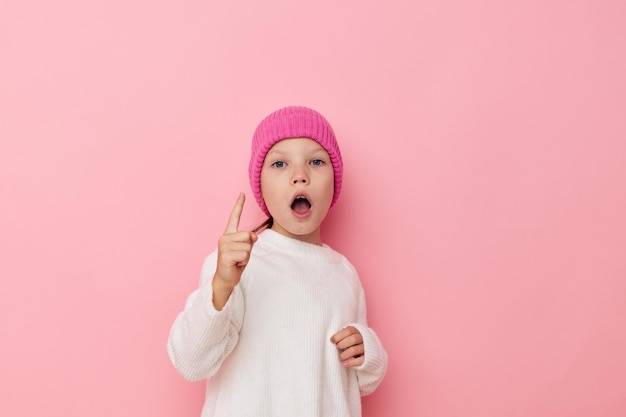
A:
{"x":304,"y":214}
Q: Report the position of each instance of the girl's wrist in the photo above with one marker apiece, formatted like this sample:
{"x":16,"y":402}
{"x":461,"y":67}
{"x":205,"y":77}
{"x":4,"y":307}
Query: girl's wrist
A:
{"x":221,"y":294}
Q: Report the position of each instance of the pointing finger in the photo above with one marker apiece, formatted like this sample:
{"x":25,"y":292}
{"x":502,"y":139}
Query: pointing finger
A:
{"x":235,"y":215}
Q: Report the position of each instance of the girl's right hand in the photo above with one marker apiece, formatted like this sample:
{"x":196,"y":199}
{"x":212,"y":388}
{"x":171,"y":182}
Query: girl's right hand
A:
{"x":233,"y":254}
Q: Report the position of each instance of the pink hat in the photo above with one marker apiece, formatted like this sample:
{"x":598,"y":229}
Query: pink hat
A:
{"x":287,"y":123}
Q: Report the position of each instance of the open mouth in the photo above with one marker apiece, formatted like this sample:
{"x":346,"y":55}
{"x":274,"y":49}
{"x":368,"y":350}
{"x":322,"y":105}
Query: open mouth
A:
{"x":300,"y":204}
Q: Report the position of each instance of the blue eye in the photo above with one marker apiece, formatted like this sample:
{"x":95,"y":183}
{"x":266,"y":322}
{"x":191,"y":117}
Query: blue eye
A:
{"x":278,"y":164}
{"x":317,"y":162}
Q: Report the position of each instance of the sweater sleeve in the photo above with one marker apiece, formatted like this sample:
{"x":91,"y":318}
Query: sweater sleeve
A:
{"x":370,"y":374}
{"x":202,"y":337}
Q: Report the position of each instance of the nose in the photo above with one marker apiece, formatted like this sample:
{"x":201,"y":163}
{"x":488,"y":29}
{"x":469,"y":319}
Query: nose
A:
{"x":299,"y":176}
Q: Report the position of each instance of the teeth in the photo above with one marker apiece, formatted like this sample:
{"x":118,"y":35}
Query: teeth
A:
{"x":300,"y":206}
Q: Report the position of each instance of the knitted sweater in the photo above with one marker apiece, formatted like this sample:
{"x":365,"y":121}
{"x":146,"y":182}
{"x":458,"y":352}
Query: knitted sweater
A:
{"x":268,"y":352}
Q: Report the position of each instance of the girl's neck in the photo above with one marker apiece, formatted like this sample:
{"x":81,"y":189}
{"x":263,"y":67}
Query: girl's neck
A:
{"x":314,"y":237}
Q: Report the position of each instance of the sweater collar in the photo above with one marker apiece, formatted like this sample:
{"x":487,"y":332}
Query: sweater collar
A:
{"x":295,"y":246}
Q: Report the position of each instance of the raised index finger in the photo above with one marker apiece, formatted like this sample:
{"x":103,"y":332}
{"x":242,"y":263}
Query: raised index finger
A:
{"x":235,"y":215}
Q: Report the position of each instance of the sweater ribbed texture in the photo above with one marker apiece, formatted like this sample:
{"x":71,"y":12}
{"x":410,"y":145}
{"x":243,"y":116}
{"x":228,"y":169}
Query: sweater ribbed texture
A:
{"x":268,"y":352}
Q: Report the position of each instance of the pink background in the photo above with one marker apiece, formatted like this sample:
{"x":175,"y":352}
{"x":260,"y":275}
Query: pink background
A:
{"x":484,"y":200}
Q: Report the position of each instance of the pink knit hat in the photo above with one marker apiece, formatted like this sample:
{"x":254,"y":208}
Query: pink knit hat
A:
{"x":286,"y":123}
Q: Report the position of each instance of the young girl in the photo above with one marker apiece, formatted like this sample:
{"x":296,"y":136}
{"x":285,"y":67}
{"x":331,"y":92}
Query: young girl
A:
{"x":278,"y":325}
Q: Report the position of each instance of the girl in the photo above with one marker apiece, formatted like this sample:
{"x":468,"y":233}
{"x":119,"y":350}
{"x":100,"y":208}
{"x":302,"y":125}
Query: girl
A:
{"x":278,"y":325}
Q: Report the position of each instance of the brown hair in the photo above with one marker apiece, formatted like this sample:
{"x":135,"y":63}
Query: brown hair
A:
{"x":267,"y":224}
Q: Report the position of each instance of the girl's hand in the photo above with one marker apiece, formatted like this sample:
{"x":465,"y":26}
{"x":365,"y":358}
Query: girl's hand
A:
{"x":233,"y":254}
{"x":349,"y":342}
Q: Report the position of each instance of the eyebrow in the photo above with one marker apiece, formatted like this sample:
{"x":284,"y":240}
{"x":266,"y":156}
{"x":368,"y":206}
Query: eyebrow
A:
{"x":315,"y":152}
{"x":274,"y":152}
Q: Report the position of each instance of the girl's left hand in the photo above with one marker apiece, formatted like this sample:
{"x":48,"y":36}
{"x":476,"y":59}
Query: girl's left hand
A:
{"x":349,"y":342}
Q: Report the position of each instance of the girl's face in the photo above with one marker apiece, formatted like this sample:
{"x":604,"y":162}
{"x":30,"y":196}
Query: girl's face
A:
{"x":297,"y":184}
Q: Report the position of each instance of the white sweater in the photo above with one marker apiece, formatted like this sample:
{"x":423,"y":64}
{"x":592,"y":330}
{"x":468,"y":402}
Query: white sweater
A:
{"x":268,"y":352}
